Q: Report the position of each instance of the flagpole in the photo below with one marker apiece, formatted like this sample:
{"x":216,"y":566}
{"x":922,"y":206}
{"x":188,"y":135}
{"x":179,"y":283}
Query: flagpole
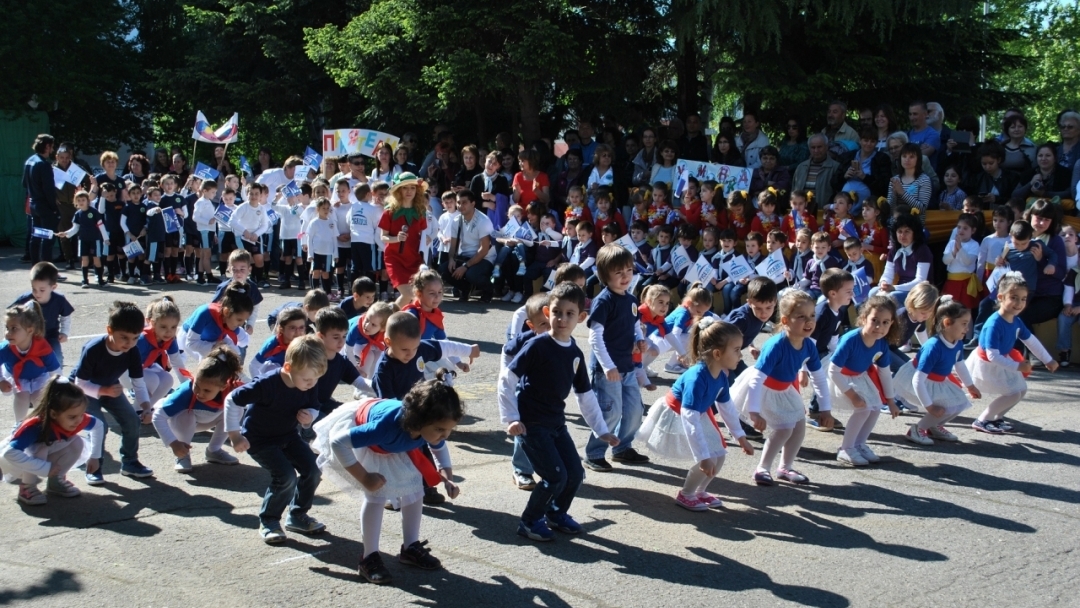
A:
{"x":225,"y":155}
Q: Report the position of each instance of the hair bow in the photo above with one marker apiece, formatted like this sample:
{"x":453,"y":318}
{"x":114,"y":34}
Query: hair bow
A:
{"x":809,"y":195}
{"x":705,"y":322}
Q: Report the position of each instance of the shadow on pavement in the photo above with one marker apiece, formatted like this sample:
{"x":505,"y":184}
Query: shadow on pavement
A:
{"x":58,"y":581}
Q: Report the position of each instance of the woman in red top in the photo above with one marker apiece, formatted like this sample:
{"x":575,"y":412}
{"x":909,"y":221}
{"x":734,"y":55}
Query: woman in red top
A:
{"x":530,"y":184}
{"x":401,"y":226}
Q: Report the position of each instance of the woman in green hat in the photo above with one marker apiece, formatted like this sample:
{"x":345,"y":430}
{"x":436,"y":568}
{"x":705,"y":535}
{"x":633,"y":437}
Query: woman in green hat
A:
{"x":402,"y":226}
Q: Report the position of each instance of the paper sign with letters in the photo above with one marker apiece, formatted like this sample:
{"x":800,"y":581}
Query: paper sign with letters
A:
{"x":355,"y":141}
{"x":738,"y":268}
{"x":701,"y":272}
{"x":634,"y":283}
{"x":133,"y":249}
{"x":773,"y":267}
{"x":995,"y":278}
{"x":731,"y":178}
{"x":43,"y":233}
{"x":680,"y":259}
{"x":74,"y":176}
{"x":205,"y":172}
{"x":59,"y":177}
{"x":627,"y":243}
{"x":172,"y":223}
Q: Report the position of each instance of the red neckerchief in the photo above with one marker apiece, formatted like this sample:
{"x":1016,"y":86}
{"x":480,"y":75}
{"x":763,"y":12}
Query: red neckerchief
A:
{"x":39,"y":349}
{"x":435,"y":317}
{"x":159,"y":353}
{"x":422,"y":464}
{"x":216,"y":403}
{"x":276,"y":349}
{"x":376,"y":340}
{"x":58,"y":432}
{"x":648,"y":318}
{"x":215,"y":314}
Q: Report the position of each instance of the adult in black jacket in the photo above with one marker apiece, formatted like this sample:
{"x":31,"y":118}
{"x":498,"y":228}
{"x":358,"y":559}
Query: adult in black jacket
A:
{"x":41,"y":193}
{"x":993,"y":185}
{"x":864,"y":169}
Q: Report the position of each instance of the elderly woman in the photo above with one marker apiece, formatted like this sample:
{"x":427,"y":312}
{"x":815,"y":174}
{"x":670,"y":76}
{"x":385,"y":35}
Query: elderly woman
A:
{"x":771,"y":174}
{"x":1067,"y":151}
{"x":894,"y":143}
{"x":1019,"y":150}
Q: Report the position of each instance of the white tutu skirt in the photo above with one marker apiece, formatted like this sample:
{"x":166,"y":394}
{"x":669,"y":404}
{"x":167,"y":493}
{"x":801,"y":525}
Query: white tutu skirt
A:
{"x":865,"y":388}
{"x":994,"y":379}
{"x":780,"y":409}
{"x":403,"y":481}
{"x":945,"y":394}
{"x":665,"y":436}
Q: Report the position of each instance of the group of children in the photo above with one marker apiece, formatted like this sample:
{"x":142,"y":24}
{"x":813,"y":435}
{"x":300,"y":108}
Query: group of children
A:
{"x":388,"y":447}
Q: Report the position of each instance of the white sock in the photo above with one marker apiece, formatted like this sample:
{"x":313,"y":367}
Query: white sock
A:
{"x":411,"y":515}
{"x":371,"y":513}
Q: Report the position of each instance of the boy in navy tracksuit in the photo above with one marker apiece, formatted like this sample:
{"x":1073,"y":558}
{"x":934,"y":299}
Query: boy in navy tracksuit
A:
{"x":133,"y":222}
{"x":261,"y":418}
{"x":331,"y":325}
{"x":88,"y":226}
{"x":98,"y":373}
{"x":54,"y":306}
{"x":838,"y":288}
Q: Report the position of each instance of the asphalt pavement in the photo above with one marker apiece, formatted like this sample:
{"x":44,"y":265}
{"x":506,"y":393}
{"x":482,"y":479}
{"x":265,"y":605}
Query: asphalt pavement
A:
{"x":988,"y":519}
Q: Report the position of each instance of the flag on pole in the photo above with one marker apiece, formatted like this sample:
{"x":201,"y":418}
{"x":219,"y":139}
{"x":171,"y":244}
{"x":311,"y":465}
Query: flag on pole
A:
{"x":245,"y":166}
{"x":312,"y":158}
{"x":226,"y":134}
{"x":205,"y":172}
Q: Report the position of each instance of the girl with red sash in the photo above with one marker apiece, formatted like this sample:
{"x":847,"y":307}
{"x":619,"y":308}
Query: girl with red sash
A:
{"x":26,"y":359}
{"x":199,"y":405}
{"x":860,"y":379}
{"x":681,"y":425}
{"x":932,"y":380}
{"x":372,"y":449}
{"x":158,"y":349}
{"x":217,"y":323}
{"x":769,"y":391}
{"x":996,"y":366}
{"x":47,"y":444}
{"x":657,"y":299}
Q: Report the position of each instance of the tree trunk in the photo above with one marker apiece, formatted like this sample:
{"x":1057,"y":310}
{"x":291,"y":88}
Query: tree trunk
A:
{"x":530,"y":112}
{"x":481,"y":126}
{"x":687,"y":85}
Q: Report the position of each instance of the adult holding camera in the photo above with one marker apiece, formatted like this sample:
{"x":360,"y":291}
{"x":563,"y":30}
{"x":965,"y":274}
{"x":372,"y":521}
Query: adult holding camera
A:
{"x":1049,"y":179}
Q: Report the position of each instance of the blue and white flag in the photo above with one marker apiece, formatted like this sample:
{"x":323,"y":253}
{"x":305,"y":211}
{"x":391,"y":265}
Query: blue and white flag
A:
{"x":245,"y":166}
{"x":133,"y":249}
{"x":312,"y":158}
{"x":223,"y":215}
{"x":205,"y":172}
{"x":290,"y":189}
{"x":43,"y":233}
{"x":172,"y":222}
{"x":862,"y":285}
{"x":272,"y":216}
{"x":849,"y":228}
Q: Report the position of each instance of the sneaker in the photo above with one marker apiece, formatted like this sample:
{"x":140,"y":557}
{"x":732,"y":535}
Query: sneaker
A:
{"x":304,"y":524}
{"x":264,"y":285}
{"x":1064,"y":358}
{"x":919,"y":436}
{"x":814,"y":423}
{"x":508,"y":296}
{"x":159,"y":281}
{"x":201,"y":280}
{"x":183,"y":465}
{"x":95,"y":478}
{"x":793,"y":476}
{"x":85,"y":283}
{"x":629,"y":456}
{"x":674,"y":368}
{"x":61,"y":487}
{"x":1004,"y":425}
{"x":135,"y":469}
{"x":709,"y":500}
{"x":521,"y":270}
{"x":497,"y":273}
{"x":132,"y":281}
{"x":762,"y":478}
{"x":432,"y":497}
{"x":181,"y":271}
{"x":272,"y":534}
{"x":102,"y":282}
{"x":651,"y":373}
{"x":147,"y":282}
{"x":867,"y":453}
{"x":374,"y":570}
{"x":524,"y":482}
{"x":940,"y":432}
{"x":417,"y":554}
{"x":537,"y":530}
{"x":906,"y":348}
{"x":851,"y":457}
{"x":690,"y":503}
{"x":220,"y":456}
{"x":563,"y":523}
{"x":485,"y":297}
{"x":518,"y":297}
{"x":600,"y":465}
{"x":989,"y":427}
{"x":30,"y":495}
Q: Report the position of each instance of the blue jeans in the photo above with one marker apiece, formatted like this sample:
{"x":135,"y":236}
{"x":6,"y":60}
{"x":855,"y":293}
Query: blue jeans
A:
{"x":620,"y":403}
{"x":520,"y":460}
{"x":1065,"y":323}
{"x":730,"y":297}
{"x":54,"y":342}
{"x":897,"y":359}
{"x":294,"y":478}
{"x":125,"y":417}
{"x":555,"y":458}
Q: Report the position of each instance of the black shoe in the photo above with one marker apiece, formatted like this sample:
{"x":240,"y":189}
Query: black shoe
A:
{"x":374,"y":570}
{"x":202,"y":279}
{"x":417,"y":554}
{"x":1065,"y":358}
{"x":600,"y":465}
{"x":485,"y":297}
{"x":749,"y":430}
{"x":462,"y":296}
{"x":25,"y":260}
{"x":629,"y":456}
{"x":432,"y":497}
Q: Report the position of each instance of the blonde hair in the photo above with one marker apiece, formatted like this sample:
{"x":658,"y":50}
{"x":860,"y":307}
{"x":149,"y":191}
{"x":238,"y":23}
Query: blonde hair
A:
{"x":29,"y":316}
{"x":420,"y":202}
{"x":697,"y":294}
{"x":160,"y":309}
{"x":922,"y":297}
{"x":379,"y":310}
{"x":710,"y":334}
{"x":792,"y":300}
{"x":307,"y":353}
{"x":652,"y":292}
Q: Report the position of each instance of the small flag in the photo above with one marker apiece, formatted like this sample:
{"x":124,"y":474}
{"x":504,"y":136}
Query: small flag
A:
{"x":226,"y":134}
{"x":848,"y":227}
{"x":205,"y":172}
{"x":862,"y":285}
{"x":172,"y":222}
{"x":312,"y":158}
{"x":223,"y":215}
{"x":290,"y":189}
{"x":245,"y":166}
{"x":796,"y":217}
{"x":133,"y":249}
{"x":43,"y":233}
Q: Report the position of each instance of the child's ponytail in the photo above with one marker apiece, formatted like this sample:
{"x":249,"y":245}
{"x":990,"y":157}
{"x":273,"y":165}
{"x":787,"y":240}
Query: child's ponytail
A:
{"x":947,"y":308}
{"x":432,"y":401}
{"x":58,"y":396}
{"x":219,"y":365}
{"x":161,"y":309}
{"x":711,"y":334}
{"x":29,"y":316}
{"x":237,"y":298}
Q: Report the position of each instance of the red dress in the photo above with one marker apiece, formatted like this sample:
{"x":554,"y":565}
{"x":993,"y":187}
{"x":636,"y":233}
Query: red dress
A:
{"x":615,"y":218}
{"x":739,"y":225}
{"x":402,"y":260}
{"x":788,"y":224}
{"x":763,"y":224}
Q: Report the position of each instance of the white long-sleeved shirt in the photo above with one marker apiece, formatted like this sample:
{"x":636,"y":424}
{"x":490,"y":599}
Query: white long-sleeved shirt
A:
{"x":21,"y":461}
{"x":203,"y":214}
{"x":160,"y":421}
{"x":94,"y":390}
{"x":965,"y":261}
{"x":290,"y":215}
{"x":990,"y":249}
{"x":75,"y":230}
{"x":342,"y":221}
{"x":364,"y":223}
{"x":246,"y":218}
{"x":320,"y":237}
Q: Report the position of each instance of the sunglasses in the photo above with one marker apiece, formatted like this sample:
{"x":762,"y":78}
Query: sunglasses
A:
{"x":1066,"y":126}
{"x":356,"y":162}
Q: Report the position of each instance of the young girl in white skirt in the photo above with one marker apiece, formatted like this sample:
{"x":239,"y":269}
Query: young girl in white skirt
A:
{"x":47,"y":444}
{"x":372,"y":449}
{"x":159,"y":351}
{"x":681,"y":425}
{"x":860,"y":380}
{"x":26,"y":359}
{"x":769,"y":392}
{"x":926,"y":380}
{"x":199,"y":405}
{"x":997,"y":368}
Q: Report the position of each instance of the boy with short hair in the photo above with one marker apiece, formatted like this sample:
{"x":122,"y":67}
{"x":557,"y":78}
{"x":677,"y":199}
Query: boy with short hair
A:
{"x":536,"y":323}
{"x":240,"y":264}
{"x":103,"y":361}
{"x":364,"y":234}
{"x":261,"y":419}
{"x":343,"y":204}
{"x":249,"y":222}
{"x":289,"y":209}
{"x":660,"y":262}
{"x":838,"y":289}
{"x":817,"y":265}
{"x":613,"y":331}
{"x":364,"y":292}
{"x":291,"y":324}
{"x":853,"y":251}
{"x":331,"y":327}
{"x":88,"y":225}
{"x":364,"y":337}
{"x":204,"y":225}
{"x":55,"y":307}
{"x":314,"y":301}
{"x":133,"y":222}
{"x":532,"y":394}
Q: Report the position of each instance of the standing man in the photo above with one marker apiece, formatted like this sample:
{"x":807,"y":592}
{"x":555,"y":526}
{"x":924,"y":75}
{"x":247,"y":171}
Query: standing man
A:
{"x":921,"y":133}
{"x":65,"y":199}
{"x":41,"y":193}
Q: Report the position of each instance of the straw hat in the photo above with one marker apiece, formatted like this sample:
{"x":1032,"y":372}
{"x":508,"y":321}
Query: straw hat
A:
{"x":408,"y":179}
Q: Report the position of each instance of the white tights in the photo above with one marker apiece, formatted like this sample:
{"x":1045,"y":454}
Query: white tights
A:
{"x":930,"y":421}
{"x":371,"y":514}
{"x":23,"y":402}
{"x":696,"y":481}
{"x":61,"y":454}
{"x":997,"y":408}
{"x":158,"y":383}
{"x":786,"y":442}
{"x":859,"y":426}
{"x":185,"y":424}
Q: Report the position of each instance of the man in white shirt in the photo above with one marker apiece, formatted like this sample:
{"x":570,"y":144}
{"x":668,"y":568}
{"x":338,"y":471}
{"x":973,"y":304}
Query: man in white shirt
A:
{"x":472,"y":258}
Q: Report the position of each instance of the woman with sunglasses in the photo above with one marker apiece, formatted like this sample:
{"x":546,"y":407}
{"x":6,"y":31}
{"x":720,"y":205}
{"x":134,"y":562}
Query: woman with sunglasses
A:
{"x":794,"y":150}
{"x":1069,"y":127}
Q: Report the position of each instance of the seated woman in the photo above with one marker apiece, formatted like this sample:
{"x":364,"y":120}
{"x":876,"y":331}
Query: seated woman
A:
{"x":771,"y":175}
{"x":1049,"y":179}
{"x":864,"y":171}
